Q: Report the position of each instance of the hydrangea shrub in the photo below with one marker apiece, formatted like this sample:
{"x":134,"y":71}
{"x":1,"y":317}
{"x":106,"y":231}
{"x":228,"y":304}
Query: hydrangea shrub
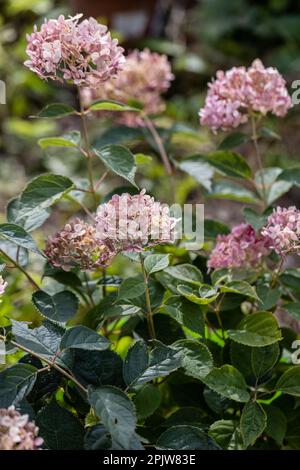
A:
{"x":182,"y":348}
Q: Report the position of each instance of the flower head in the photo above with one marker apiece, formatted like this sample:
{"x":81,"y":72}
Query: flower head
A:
{"x":145,"y":76}
{"x":234,"y":94}
{"x":3,"y":285}
{"x":77,"y":245}
{"x":67,"y":49}
{"x":242,"y":247}
{"x":283,"y":230}
{"x":17,"y":432}
{"x":133,"y":223}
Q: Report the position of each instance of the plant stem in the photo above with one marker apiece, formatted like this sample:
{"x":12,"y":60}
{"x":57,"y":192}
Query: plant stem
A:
{"x":89,"y":292}
{"x":87,"y":147}
{"x":158,"y":141}
{"x":259,"y":160}
{"x":277,"y":273}
{"x":148,"y":302}
{"x":50,"y":363}
{"x":18,"y":266}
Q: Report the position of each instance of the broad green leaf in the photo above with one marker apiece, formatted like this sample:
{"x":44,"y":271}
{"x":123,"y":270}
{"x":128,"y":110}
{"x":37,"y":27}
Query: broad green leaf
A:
{"x":189,"y":415}
{"x":268,"y":133}
{"x":222,"y":432}
{"x":42,"y":192}
{"x":268,"y":296}
{"x":16,"y":382}
{"x":290,"y":175}
{"x":233,"y":140}
{"x":59,"y":307}
{"x":264,"y":359}
{"x":213,"y":228}
{"x":68,"y":140}
{"x":253,"y":422}
{"x":119,"y":160}
{"x":162,"y":360}
{"x":196,"y":360}
{"x":56,"y":111}
{"x":147,"y":400}
{"x":257,"y":330}
{"x":18,"y":235}
{"x":97,"y":438}
{"x":232,"y":191}
{"x":228,"y":382}
{"x":155,"y":263}
{"x":228,"y":163}
{"x":60,"y":428}
{"x":142,"y":159}
{"x":240,"y":287}
{"x":187,"y":273}
{"x":273,"y":183}
{"x":289,"y":382}
{"x":256,"y":220}
{"x":276,"y":423}
{"x":293,"y":308}
{"x":198,"y":169}
{"x":31,"y":221}
{"x":44,"y":340}
{"x":81,"y":337}
{"x":110,"y":105}
{"x":194,"y":295}
{"x":116,"y":412}
{"x":240,"y":356}
{"x":185,"y":313}
{"x":186,"y":438}
{"x":131,"y":288}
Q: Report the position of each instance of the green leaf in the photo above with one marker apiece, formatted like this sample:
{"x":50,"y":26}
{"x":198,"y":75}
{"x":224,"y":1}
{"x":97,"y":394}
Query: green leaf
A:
{"x":186,"y":438}
{"x":272,"y":181}
{"x":189,"y":415}
{"x":257,"y":330}
{"x":213,"y":228}
{"x":59,"y":428}
{"x":195,"y":296}
{"x":56,"y":111}
{"x":16,"y":382}
{"x":222,"y":432}
{"x":228,"y":163}
{"x":142,"y":159}
{"x":233,"y":140}
{"x":68,"y":140}
{"x":116,"y":412}
{"x":228,"y":382}
{"x":196,"y":358}
{"x":256,"y":220}
{"x":264,"y":359}
{"x":289,"y":382}
{"x":155,"y":263}
{"x":276,"y":423}
{"x":200,"y":170}
{"x":81,"y":337}
{"x":185,"y":313}
{"x":110,"y":105}
{"x":232,"y":191}
{"x":59,"y":307}
{"x":290,"y":175}
{"x":119,"y":160}
{"x":147,"y":400}
{"x":18,"y":236}
{"x":162,"y":360}
{"x":240,"y":287}
{"x":31,"y":221}
{"x":187,"y":273}
{"x":268,"y":133}
{"x":253,"y":422}
{"x":131,"y":288}
{"x":269,"y":297}
{"x":42,"y":192}
{"x":293,"y":308}
{"x":43,"y":340}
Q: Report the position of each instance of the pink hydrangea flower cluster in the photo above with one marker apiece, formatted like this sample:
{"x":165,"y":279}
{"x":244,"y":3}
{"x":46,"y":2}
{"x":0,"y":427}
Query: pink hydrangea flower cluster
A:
{"x":67,"y":49}
{"x":146,"y":75}
{"x":242,"y":247}
{"x":3,"y":285}
{"x":77,"y":245}
{"x":238,"y":92}
{"x":283,"y":230}
{"x":17,"y":432}
{"x":132,"y":223}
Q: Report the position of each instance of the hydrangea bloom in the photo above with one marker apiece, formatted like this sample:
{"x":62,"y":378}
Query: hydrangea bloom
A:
{"x":77,"y":245}
{"x":283,"y":230}
{"x":242,"y":247}
{"x":82,"y":52}
{"x":3,"y":285}
{"x":146,"y":75}
{"x":17,"y":432}
{"x":132,"y":223}
{"x":234,"y":94}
